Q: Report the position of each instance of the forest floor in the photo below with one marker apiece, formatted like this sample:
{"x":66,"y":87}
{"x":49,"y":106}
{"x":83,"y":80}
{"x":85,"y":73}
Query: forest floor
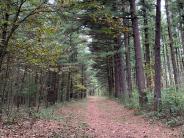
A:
{"x":96,"y":117}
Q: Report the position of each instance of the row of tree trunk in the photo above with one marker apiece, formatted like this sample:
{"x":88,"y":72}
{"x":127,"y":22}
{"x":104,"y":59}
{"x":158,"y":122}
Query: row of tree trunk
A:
{"x":32,"y":86}
{"x":119,"y":67}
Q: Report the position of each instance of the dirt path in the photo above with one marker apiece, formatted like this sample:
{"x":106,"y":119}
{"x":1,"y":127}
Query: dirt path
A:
{"x":108,"y":119}
{"x":95,"y":117}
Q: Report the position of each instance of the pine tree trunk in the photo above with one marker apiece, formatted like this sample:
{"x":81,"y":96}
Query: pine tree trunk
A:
{"x":182,"y":36}
{"x":120,"y":86}
{"x":173,"y":57}
{"x":68,"y":86}
{"x":140,"y":78}
{"x":165,"y":66}
{"x":128,"y":65}
{"x":181,"y":28}
{"x":157,"y":92}
{"x":109,"y":76}
{"x":127,"y":51}
{"x":4,"y":43}
{"x":181,"y":23}
{"x":168,"y":65}
{"x":147,"y":46}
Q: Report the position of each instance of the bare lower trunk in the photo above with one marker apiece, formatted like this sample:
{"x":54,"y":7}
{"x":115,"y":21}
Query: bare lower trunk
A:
{"x":157,"y":93}
{"x":110,"y":76}
{"x":165,"y":67}
{"x":128,"y":65}
{"x":120,"y":86}
{"x":182,"y":38}
{"x":181,"y":28}
{"x":68,"y":86}
{"x":173,"y":57}
{"x":147,"y":47}
{"x":140,"y":79}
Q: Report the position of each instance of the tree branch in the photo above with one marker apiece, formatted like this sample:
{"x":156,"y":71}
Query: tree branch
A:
{"x":17,"y":23}
{"x":31,"y":13}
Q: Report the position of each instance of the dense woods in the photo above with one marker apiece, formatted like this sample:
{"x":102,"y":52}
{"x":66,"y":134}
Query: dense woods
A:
{"x":52,"y":51}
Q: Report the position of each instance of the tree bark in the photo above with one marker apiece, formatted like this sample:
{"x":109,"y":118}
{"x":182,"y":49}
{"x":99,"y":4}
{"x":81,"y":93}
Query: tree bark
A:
{"x":147,"y":46}
{"x":109,"y":75}
{"x":128,"y":65}
{"x":140,"y":78}
{"x":173,"y":57}
{"x":127,"y":51}
{"x":157,"y":92}
{"x":68,"y":86}
{"x":120,"y":86}
{"x":181,"y":28}
{"x":167,"y":80}
{"x":182,"y":35}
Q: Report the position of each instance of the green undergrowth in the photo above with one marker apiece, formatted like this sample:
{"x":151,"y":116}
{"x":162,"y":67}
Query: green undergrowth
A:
{"x":49,"y":113}
{"x":26,"y":113}
{"x":171,"y":111}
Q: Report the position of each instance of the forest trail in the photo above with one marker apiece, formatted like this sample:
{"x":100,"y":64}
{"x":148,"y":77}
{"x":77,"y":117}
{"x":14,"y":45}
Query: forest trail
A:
{"x":109,"y":119}
{"x":96,"y":117}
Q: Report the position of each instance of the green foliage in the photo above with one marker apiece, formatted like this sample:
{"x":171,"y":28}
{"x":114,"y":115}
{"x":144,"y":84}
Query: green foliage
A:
{"x":132,"y":102}
{"x":80,"y":88}
{"x":173,"y":101}
{"x":172,"y":109}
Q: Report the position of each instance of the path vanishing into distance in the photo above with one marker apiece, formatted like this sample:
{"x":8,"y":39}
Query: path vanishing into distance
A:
{"x":111,"y":120}
{"x":96,"y":117}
